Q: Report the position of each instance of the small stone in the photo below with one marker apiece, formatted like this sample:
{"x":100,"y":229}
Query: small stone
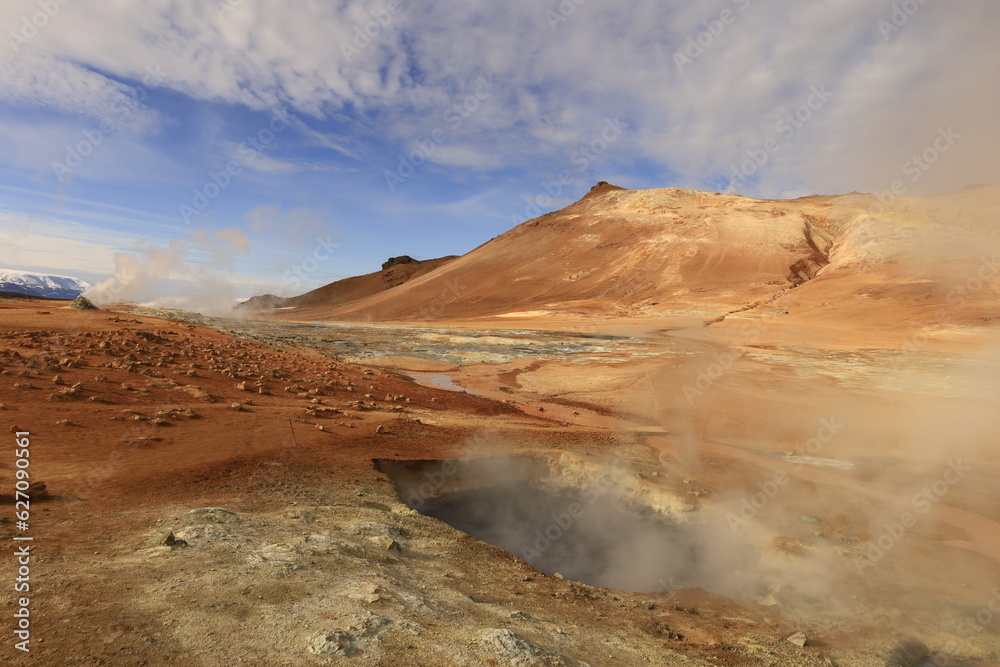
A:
{"x":379,"y":429}
{"x":334,"y":642}
{"x":170,"y":541}
{"x":799,"y":639}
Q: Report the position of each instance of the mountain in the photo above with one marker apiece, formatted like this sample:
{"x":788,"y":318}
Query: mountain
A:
{"x":628,"y":253}
{"x":395,"y":271}
{"x":47,"y":286}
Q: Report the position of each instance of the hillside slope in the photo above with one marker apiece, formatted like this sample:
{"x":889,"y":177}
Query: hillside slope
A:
{"x":395,"y":272}
{"x":658,"y":252}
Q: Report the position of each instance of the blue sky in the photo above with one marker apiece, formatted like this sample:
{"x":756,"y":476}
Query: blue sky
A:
{"x":250,"y":146}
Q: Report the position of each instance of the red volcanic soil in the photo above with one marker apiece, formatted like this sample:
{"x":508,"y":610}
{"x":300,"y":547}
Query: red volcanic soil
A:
{"x":142,"y":427}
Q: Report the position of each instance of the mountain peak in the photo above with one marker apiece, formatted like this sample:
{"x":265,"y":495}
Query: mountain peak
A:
{"x":601,"y":188}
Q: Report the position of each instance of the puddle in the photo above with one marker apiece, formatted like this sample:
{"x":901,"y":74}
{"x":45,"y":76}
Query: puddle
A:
{"x":439,"y":380}
{"x":818,"y":462}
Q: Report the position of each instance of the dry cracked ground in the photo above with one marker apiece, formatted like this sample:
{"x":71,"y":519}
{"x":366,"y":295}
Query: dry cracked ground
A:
{"x":220,"y":500}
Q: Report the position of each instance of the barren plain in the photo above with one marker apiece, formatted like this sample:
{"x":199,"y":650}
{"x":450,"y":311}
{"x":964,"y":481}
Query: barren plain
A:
{"x":755,"y":433}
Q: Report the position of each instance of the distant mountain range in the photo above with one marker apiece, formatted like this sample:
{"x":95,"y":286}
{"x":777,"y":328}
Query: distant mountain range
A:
{"x":47,"y":286}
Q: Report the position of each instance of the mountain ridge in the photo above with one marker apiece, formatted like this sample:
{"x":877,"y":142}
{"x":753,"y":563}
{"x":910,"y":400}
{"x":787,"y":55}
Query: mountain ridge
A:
{"x":626,"y":253}
{"x":43,"y":285}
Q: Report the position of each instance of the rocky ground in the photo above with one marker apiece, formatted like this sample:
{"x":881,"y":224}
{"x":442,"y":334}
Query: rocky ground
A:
{"x":214,"y":500}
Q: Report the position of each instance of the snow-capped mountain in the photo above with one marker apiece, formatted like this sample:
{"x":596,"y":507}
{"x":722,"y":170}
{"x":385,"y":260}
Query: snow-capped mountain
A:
{"x":41,"y":285}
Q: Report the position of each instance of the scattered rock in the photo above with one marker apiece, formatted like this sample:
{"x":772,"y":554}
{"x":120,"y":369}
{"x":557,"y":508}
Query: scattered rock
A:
{"x":333,"y":642}
{"x":799,"y":639}
{"x":379,"y":429}
{"x":65,"y":422}
{"x":170,"y":541}
{"x":390,"y":544}
{"x":196,"y":392}
{"x":83,"y":303}
{"x":508,"y":648}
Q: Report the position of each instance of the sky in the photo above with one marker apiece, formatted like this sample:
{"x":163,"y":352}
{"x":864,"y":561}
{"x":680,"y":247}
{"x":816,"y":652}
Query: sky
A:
{"x":275,"y":147}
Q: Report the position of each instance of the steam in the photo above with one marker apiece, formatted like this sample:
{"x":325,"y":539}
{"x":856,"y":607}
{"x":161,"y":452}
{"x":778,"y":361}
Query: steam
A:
{"x":195,"y":274}
{"x":585,"y":528}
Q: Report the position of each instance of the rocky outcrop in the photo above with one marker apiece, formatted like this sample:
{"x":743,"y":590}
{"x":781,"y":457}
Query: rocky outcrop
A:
{"x":393,"y":261}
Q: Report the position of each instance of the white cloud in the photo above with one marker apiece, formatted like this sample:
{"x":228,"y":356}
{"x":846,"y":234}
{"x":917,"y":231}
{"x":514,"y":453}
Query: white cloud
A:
{"x":603,"y":61}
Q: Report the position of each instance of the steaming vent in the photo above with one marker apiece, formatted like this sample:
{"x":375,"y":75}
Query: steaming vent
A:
{"x":585,"y":521}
